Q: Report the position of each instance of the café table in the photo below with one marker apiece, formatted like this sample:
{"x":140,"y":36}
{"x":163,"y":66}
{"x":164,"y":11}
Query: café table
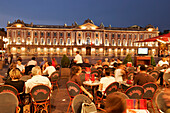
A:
{"x":137,"y":111}
{"x":92,"y":85}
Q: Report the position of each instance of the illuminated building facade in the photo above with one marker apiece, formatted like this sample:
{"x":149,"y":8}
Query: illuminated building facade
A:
{"x":87,"y":38}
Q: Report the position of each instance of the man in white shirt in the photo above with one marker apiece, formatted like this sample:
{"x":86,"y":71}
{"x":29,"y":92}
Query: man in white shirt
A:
{"x":32,"y":62}
{"x":78,"y":58}
{"x":119,"y":73}
{"x":162,"y":62}
{"x":37,"y":79}
{"x":49,"y":69}
{"x":20,"y":66}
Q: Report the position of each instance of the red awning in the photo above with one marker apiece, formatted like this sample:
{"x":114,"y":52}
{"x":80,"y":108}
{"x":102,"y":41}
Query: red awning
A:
{"x":165,"y":38}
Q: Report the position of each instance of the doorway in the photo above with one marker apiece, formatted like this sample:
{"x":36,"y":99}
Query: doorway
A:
{"x":88,"y":50}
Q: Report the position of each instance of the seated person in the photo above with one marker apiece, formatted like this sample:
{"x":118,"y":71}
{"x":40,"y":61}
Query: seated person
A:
{"x":12,"y":66}
{"x":32,"y":62}
{"x":20,"y":66}
{"x":106,"y":81}
{"x":115,"y":104}
{"x":49,"y":69}
{"x":142,"y":77}
{"x":99,"y":64}
{"x":15,"y":75}
{"x":86,"y":63}
{"x":105,"y":62}
{"x":37,"y":79}
{"x":120,"y":73}
{"x":75,"y":77}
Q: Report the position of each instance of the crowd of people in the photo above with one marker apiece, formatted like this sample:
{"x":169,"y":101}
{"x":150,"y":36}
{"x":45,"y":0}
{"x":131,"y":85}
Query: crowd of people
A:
{"x":113,"y":71}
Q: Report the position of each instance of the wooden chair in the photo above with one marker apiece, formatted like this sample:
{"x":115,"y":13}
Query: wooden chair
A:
{"x":96,"y":73}
{"x":166,"y":78}
{"x":105,"y":66}
{"x":135,"y":92}
{"x":77,"y":103}
{"x":130,"y":75}
{"x":9,"y":88}
{"x":73,"y":89}
{"x":124,"y":87}
{"x":54,"y":79}
{"x":149,"y":92}
{"x":40,"y":98}
{"x":150,"y":68}
{"x":9,"y":103}
{"x":155,"y":74}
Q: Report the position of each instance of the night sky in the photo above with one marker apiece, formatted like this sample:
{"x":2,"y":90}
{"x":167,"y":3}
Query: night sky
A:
{"x":118,"y":13}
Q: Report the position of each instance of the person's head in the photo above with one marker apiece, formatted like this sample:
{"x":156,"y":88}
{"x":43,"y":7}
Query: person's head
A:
{"x":113,"y":59}
{"x":86,"y":60}
{"x":77,"y":52}
{"x":142,"y":68}
{"x":36,"y":70}
{"x":33,"y":58}
{"x":53,"y":59}
{"x":106,"y":59}
{"x":15,"y":74}
{"x":19,"y":61}
{"x":48,"y":64}
{"x":107,"y":72}
{"x":75,"y":70}
{"x":99,"y":62}
{"x":115,"y":104}
{"x":163,"y":59}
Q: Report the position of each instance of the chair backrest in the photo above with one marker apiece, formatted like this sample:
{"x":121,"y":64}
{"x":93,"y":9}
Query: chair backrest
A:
{"x":124,"y":87}
{"x":105,"y":66}
{"x":54,"y":76}
{"x":155,"y":74}
{"x":100,"y":70}
{"x":25,"y":77}
{"x":164,"y":66}
{"x":160,"y":102}
{"x":149,"y":90}
{"x":166,"y":77}
{"x":40,"y":93}
{"x":135,"y":92}
{"x":95,"y":73}
{"x":8,"y":102}
{"x":150,"y":68}
{"x":8,"y":88}
{"x":113,"y":87}
{"x":130,"y":75}
{"x":77,"y":102}
{"x":83,"y":70}
{"x":73,"y":89}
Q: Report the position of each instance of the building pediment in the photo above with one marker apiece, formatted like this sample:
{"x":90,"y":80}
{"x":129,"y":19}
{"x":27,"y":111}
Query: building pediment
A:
{"x":88,"y":26}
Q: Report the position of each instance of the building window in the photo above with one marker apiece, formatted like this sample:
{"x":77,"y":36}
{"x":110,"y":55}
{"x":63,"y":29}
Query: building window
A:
{"x":61,"y":34}
{"x":48,"y":34}
{"x":88,"y":41}
{"x":28,"y":33}
{"x":149,"y":36}
{"x":79,"y":41}
{"x":118,"y":35}
{"x":68,"y":41}
{"x":48,"y":41}
{"x":35,"y":33}
{"x":55,"y":50}
{"x":79,"y":35}
{"x":42,"y":34}
{"x":35,"y":50}
{"x":28,"y":39}
{"x":18,"y":49}
{"x":88,"y":34}
{"x":124,"y":36}
{"x":105,"y":35}
{"x":135,"y":36}
{"x":68,"y":34}
{"x":97,"y":35}
{"x":118,"y":42}
{"x":41,"y":49}
{"x":55,"y":34}
{"x":61,"y":41}
{"x":141,"y":36}
{"x":113,"y":42}
{"x":9,"y":33}
{"x":105,"y":41}
{"x":48,"y":49}
{"x":54,"y":41}
{"x":19,"y":32}
{"x":97,"y":41}
{"x":130,"y":42}
{"x":130,"y":36}
{"x":35,"y":40}
{"x":42,"y":40}
{"x":28,"y":49}
{"x":124,"y":42}
{"x":19,"y":40}
{"x":113,"y":35}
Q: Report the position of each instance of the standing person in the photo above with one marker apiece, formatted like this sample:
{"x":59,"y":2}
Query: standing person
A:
{"x":20,"y":66}
{"x":75,"y":77}
{"x":105,"y":62}
{"x":78,"y":58}
{"x":32,"y":62}
{"x":162,"y":62}
{"x":54,"y":62}
{"x":120,"y":73}
{"x":142,"y":77}
{"x":49,"y":69}
{"x":43,"y":62}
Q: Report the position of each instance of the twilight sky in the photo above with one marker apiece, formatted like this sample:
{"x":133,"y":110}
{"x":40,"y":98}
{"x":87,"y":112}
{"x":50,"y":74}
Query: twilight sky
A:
{"x":118,"y":13}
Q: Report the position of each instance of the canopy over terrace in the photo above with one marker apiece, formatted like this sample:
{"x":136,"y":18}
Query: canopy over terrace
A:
{"x":163,"y":41}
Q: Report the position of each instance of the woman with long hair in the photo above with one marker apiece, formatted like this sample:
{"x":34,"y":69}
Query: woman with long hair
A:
{"x":54,"y":62}
{"x":75,"y":77}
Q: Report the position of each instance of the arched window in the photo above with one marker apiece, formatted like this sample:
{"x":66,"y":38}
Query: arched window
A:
{"x":105,"y":41}
{"x":124,"y":42}
{"x":42,"y":41}
{"x":54,"y":41}
{"x":97,"y":41}
{"x":19,"y":40}
{"x":48,"y":41}
{"x":113,"y":42}
{"x":130,"y":43}
{"x":68,"y":41}
{"x":35,"y":40}
{"x":118,"y":42}
{"x":61,"y":41}
{"x":79,"y":41}
{"x":88,"y":41}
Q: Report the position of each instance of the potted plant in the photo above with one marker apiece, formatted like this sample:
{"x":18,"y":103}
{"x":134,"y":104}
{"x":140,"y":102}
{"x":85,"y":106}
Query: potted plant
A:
{"x":127,"y":59}
{"x":65,"y":70}
{"x":153,"y":61}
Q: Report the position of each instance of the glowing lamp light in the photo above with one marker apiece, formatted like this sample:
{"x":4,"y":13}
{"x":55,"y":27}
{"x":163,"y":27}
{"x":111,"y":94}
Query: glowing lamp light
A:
{"x":150,"y":29}
{"x":110,"y":49}
{"x":116,"y":50}
{"x":75,"y":49}
{"x":23,"y":48}
{"x":132,"y":49}
{"x":83,"y":49}
{"x":83,"y":27}
{"x":64,"y":49}
{"x":13,"y":48}
{"x":18,"y":25}
{"x":38,"y":49}
{"x":57,"y":49}
{"x":101,"y":49}
{"x":51,"y":49}
{"x":45,"y":49}
{"x":93,"y":28}
{"x":93,"y":49}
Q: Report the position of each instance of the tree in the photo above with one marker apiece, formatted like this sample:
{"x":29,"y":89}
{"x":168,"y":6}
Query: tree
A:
{"x":65,"y":62}
{"x":153,"y":61}
{"x":127,"y":59}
